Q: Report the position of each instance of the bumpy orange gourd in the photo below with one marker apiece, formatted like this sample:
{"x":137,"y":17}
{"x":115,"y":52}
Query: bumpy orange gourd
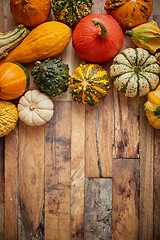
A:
{"x":30,"y":12}
{"x":129,"y":13}
{"x":44,"y":41}
{"x":13,"y":80}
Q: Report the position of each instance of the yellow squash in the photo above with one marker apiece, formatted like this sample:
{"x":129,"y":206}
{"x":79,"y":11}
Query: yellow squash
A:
{"x":152,"y":108}
{"x":46,"y":40}
{"x":8,"y":117}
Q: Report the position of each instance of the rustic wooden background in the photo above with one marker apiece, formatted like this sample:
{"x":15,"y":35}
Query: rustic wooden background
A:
{"x":91,"y":173}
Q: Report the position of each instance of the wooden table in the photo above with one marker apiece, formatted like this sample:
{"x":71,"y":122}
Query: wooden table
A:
{"x":90,"y":173}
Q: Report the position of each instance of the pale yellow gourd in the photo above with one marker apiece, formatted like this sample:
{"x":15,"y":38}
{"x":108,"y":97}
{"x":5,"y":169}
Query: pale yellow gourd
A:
{"x":8,"y":117}
{"x":35,"y":108}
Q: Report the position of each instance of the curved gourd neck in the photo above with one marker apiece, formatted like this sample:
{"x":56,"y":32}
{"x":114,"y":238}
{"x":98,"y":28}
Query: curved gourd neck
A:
{"x":99,"y":23}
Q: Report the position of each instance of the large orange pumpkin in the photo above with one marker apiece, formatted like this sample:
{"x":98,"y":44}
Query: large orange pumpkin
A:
{"x":129,"y":13}
{"x":14,"y":79}
{"x":97,"y":38}
{"x":30,"y":12}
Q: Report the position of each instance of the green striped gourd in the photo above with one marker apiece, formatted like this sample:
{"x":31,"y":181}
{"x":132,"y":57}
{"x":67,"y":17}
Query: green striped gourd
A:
{"x":89,"y":84}
{"x":135,"y":72}
{"x":11,"y":39}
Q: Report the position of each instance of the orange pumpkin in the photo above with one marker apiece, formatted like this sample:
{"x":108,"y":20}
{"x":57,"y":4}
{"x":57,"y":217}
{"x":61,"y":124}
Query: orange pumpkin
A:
{"x":129,"y":13}
{"x":30,"y":12}
{"x":14,"y":79}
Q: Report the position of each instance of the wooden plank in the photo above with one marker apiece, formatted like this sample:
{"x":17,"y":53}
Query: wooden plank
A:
{"x":99,"y":134}
{"x":98,"y":209}
{"x":2,"y":188}
{"x":31,"y":181}
{"x":126,"y":138}
{"x":146,"y":176}
{"x":11,"y":186}
{"x":156,"y":179}
{"x":99,"y":128}
{"x":77,"y":171}
{"x":156,"y":195}
{"x":57,"y":173}
{"x":125,"y":219}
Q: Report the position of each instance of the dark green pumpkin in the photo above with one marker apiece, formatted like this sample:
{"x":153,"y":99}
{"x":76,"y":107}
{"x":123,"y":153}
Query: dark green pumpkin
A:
{"x":71,"y":12}
{"x":89,"y":84}
{"x":51,"y":76}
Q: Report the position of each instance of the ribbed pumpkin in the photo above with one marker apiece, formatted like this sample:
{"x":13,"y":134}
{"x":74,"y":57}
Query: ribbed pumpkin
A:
{"x":8,"y":117}
{"x":30,"y":12}
{"x":89,"y":84}
{"x":135,"y":72}
{"x":46,"y":40}
{"x":152,"y":108}
{"x":14,"y":79}
{"x":97,"y":38}
{"x":35,"y":108}
{"x":129,"y":13}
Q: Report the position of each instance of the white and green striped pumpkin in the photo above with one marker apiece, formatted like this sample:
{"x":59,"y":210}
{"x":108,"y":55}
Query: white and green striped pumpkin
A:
{"x":11,"y":39}
{"x":135,"y":72}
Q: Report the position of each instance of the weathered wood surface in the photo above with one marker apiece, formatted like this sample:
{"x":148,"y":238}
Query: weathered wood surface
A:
{"x":89,"y":173}
{"x":2,"y":188}
{"x":125,"y":207}
{"x":57,"y":173}
{"x":146,"y":177}
{"x":98,"y":209}
{"x":156,"y":188}
{"x":11,"y":188}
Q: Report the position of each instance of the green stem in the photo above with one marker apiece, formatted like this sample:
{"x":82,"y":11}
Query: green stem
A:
{"x":99,"y":23}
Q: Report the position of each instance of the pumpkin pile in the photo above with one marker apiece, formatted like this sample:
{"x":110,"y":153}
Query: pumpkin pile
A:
{"x":96,"y":38}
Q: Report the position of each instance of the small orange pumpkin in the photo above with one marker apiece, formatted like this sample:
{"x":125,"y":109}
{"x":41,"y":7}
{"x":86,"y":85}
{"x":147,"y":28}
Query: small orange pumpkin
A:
{"x":14,"y":79}
{"x":129,"y":13}
{"x":30,"y":12}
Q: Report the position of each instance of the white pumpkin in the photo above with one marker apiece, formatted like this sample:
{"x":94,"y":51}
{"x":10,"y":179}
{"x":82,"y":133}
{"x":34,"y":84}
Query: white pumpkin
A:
{"x":35,"y":108}
{"x":135,"y":72}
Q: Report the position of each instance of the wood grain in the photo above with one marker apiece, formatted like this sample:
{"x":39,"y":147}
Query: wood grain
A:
{"x":126,"y":135}
{"x":57,"y":173}
{"x":156,"y":179}
{"x":2,"y":183}
{"x":31,"y":181}
{"x":98,"y":209}
{"x":77,"y":171}
{"x":146,"y":176}
{"x":125,"y":217}
{"x":156,"y":195}
{"x":99,"y":135}
{"x":11,"y":187}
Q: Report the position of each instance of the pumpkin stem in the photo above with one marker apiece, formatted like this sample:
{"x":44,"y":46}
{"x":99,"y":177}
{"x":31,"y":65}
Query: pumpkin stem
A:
{"x":99,"y":23}
{"x":32,"y":107}
{"x":24,"y":2}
